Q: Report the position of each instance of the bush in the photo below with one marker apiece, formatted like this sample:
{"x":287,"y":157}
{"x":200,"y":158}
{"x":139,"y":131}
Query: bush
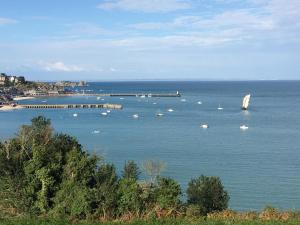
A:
{"x":168,"y":193}
{"x":208,"y":193}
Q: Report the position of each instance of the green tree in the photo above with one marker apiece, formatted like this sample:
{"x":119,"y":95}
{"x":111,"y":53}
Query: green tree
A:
{"x":208,"y":193}
{"x":75,"y":194}
{"x":131,"y":170}
{"x":106,"y":186}
{"x":12,"y":178}
{"x":168,"y":193}
{"x":129,"y":200}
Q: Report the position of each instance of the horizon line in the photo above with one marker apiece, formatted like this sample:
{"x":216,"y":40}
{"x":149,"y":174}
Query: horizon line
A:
{"x":166,"y":80}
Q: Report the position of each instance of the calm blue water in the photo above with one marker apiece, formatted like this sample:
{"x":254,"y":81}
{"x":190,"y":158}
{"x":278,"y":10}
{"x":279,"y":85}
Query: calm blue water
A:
{"x":259,"y":166}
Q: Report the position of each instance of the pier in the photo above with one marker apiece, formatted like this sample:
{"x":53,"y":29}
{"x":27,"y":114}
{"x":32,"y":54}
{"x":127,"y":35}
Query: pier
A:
{"x":69,"y":106}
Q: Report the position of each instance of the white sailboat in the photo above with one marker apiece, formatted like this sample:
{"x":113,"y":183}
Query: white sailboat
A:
{"x":246,"y":101}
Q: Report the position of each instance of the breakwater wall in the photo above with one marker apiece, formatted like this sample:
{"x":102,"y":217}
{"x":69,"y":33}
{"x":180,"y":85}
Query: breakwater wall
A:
{"x":157,"y":95}
{"x":70,"y":106}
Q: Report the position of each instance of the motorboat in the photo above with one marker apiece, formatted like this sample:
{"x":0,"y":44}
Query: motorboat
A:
{"x":204,"y":126}
{"x":244,"y":127}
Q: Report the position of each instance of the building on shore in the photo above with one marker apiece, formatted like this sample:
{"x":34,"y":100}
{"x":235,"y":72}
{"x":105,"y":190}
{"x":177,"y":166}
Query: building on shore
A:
{"x":6,"y":80}
{"x":34,"y":92}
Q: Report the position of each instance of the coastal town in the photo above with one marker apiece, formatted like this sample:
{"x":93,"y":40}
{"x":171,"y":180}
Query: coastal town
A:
{"x":14,"y":87}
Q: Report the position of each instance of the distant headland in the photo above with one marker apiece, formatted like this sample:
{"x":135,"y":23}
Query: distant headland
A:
{"x":17,"y":87}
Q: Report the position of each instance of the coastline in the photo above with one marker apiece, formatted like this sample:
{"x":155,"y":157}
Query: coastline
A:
{"x":9,"y":107}
{"x":22,"y":98}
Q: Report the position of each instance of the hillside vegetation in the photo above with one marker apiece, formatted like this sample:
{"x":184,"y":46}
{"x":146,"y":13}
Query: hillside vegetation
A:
{"x":49,"y":176}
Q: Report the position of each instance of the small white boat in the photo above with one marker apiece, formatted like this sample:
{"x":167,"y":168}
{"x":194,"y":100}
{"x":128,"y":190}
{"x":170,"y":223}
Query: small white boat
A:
{"x":121,"y":98}
{"x":183,"y":100}
{"x":104,"y":114}
{"x":199,"y":103}
{"x":204,"y":126}
{"x":96,"y":132}
{"x":154,"y":103}
{"x":75,"y":114}
{"x":135,"y":116}
{"x":220,"y":108}
{"x":244,"y":127}
{"x":170,"y":110}
{"x":159,"y":114}
{"x":108,"y":111}
{"x":102,"y":99}
{"x":98,"y":98}
{"x":44,"y":101}
{"x":143,"y":96}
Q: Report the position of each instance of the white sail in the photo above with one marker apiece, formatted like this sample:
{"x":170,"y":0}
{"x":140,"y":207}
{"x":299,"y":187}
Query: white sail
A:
{"x":246,"y":101}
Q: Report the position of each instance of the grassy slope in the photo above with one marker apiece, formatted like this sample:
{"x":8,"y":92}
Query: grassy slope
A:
{"x":149,"y":222}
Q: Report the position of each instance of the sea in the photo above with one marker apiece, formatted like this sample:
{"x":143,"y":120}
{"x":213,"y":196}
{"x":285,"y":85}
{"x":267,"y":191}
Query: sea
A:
{"x":259,"y":166}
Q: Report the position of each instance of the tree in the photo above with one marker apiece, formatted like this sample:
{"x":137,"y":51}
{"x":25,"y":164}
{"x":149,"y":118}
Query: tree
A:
{"x":129,"y":200}
{"x":106,"y":185}
{"x":208,"y":193}
{"x":131,"y":170}
{"x":168,"y":193}
{"x":153,"y":169}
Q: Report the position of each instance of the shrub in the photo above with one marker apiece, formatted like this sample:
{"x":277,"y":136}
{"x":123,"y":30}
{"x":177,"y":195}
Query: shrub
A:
{"x":208,"y":193}
{"x":168,"y":193}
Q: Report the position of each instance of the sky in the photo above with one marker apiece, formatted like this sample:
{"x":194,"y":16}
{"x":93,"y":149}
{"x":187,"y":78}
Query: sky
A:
{"x":150,"y":39}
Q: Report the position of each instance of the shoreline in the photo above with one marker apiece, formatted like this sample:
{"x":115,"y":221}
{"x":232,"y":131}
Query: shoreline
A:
{"x":19,"y":98}
{"x":10,"y":108}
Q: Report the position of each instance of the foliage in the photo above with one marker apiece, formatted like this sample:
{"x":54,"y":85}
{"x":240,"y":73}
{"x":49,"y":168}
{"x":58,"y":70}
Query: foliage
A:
{"x":129,"y":200}
{"x":168,"y":193}
{"x":169,"y":221}
{"x":105,"y":191}
{"x":208,"y":193}
{"x":43,"y":173}
{"x":153,"y":169}
{"x":131,"y":170}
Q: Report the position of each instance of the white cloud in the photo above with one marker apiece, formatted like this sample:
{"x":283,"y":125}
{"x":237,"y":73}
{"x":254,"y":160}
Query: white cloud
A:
{"x":4,"y":21}
{"x":150,"y":6}
{"x":86,"y":29}
{"x":60,"y":67}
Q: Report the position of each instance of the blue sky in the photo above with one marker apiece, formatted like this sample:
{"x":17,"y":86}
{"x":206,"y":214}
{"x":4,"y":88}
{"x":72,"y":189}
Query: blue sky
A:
{"x":150,"y":39}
